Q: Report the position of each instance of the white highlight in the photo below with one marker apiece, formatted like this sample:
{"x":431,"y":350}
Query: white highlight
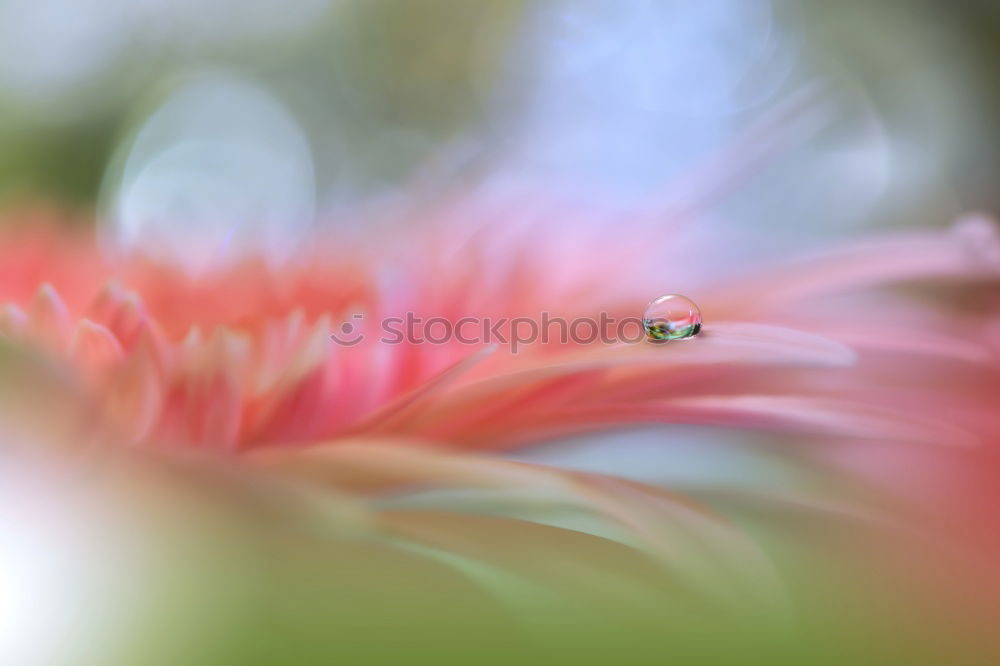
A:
{"x":61,"y":584}
{"x":220,"y":171}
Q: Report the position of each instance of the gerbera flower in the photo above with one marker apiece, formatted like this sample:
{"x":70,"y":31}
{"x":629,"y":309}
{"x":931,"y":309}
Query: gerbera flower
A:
{"x":220,"y":406}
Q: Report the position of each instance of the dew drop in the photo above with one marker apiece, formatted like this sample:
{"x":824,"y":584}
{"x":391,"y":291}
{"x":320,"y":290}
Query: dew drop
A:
{"x":671,"y":317}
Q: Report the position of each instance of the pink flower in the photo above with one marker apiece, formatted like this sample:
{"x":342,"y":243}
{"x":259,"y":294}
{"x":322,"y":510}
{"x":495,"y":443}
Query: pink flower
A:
{"x":235,"y":373}
{"x":242,"y":358}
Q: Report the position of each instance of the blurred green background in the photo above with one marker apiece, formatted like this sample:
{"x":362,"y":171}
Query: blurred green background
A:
{"x":596,"y":100}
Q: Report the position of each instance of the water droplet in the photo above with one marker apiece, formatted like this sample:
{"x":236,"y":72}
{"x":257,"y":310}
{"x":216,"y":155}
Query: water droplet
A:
{"x":671,"y":317}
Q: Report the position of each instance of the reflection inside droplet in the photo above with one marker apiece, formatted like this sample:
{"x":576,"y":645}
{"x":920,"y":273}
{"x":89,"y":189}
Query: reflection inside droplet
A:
{"x":671,"y":317}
